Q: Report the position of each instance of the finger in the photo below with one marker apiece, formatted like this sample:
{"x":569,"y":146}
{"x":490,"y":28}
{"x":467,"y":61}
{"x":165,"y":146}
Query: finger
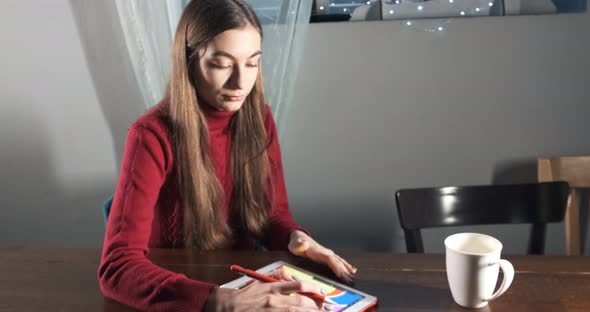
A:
{"x":291,"y":287}
{"x":301,"y":301}
{"x":288,"y":301}
{"x":322,"y":290}
{"x":283,"y":309}
{"x":295,"y":309}
{"x":339,"y":269}
{"x":348,"y":266}
{"x":281,"y":273}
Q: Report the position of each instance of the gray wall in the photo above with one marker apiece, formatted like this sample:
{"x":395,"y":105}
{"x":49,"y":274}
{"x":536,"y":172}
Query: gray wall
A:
{"x":378,"y":108}
{"x":56,"y":150}
{"x":381,"y":107}
{"x":67,"y":98}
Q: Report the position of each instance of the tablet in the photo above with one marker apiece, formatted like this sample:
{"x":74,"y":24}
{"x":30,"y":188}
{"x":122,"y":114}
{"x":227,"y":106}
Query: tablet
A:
{"x":348,"y":299}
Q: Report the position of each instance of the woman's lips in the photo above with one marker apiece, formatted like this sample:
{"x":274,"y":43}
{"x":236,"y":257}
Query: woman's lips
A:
{"x":233,"y":98}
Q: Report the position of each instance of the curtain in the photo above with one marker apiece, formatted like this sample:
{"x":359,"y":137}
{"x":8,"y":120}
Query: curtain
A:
{"x":148,"y":31}
{"x":149,"y":27}
{"x":284,"y":24}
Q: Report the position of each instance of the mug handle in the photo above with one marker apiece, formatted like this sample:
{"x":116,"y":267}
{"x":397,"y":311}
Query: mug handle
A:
{"x":508,"y":270}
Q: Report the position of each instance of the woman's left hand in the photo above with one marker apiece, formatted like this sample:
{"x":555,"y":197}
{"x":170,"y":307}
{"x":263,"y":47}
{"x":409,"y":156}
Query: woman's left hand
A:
{"x":302,"y":245}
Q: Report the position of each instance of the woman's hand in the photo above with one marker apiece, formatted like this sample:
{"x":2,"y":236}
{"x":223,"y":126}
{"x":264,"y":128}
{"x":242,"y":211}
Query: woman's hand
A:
{"x":304,"y":246}
{"x":265,"y":297}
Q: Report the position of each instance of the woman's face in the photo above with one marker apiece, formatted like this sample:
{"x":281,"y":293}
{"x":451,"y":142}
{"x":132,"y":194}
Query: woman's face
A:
{"x":228,"y":68}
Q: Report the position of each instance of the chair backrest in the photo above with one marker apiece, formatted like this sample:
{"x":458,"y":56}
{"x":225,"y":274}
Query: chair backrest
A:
{"x":576,"y":171}
{"x":534,"y":203}
{"x":106,"y":208}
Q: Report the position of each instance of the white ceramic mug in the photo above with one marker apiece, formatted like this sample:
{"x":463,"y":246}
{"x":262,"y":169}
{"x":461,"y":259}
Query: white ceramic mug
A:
{"x":472,"y":269}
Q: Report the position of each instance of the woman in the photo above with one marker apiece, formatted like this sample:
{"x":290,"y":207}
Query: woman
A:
{"x":203,"y":170}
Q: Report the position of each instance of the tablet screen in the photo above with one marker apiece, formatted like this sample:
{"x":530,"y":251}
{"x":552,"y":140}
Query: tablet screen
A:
{"x":342,"y":297}
{"x":345,"y":298}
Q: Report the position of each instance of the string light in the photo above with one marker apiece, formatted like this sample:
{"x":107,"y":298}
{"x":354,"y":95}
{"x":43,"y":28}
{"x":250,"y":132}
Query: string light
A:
{"x":390,"y":11}
{"x":476,"y":9}
{"x":420,"y":8}
{"x":451,"y":1}
{"x":462,"y":12}
{"x":396,"y":1}
{"x":426,"y":25}
{"x":368,"y":2}
{"x":345,"y":10}
{"x":322,"y":7}
{"x":491,"y":4}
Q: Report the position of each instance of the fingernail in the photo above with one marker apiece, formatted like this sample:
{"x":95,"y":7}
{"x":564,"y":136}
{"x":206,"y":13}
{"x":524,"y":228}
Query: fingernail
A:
{"x":354,"y":270}
{"x":346,"y":277}
{"x":323,"y":291}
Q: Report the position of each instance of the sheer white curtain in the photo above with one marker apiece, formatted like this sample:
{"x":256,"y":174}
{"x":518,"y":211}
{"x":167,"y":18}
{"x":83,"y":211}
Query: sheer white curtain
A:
{"x":149,"y":28}
{"x":284,"y":24}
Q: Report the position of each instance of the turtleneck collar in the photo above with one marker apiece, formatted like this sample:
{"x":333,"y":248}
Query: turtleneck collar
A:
{"x":216,"y":120}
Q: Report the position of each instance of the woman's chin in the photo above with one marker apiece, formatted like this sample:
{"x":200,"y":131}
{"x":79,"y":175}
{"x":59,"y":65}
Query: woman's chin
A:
{"x":231,"y":106}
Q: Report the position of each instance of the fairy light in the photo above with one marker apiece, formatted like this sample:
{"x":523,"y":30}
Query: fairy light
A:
{"x":462,"y":12}
{"x":420,"y":8}
{"x":409,"y":23}
{"x":390,"y":11}
{"x":477,"y":9}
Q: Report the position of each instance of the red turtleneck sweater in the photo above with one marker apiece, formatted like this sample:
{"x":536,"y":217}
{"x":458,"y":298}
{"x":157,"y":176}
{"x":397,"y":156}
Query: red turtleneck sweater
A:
{"x":147,"y":213}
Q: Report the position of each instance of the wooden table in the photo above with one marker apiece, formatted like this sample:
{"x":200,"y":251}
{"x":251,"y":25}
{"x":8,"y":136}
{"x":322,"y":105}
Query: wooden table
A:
{"x":65,"y":279}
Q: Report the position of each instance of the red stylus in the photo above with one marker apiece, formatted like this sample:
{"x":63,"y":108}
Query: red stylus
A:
{"x":267,"y":279}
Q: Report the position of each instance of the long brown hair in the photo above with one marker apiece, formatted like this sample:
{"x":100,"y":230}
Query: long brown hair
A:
{"x":201,"y":192}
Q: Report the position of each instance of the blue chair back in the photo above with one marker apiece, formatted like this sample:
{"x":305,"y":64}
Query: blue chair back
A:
{"x":106,"y":208}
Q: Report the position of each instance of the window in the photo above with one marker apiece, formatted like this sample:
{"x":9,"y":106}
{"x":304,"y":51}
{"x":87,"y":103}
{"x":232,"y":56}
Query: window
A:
{"x":358,"y":10}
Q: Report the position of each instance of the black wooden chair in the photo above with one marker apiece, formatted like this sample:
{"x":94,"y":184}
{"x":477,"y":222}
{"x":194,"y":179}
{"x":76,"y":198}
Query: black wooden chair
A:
{"x":534,"y":203}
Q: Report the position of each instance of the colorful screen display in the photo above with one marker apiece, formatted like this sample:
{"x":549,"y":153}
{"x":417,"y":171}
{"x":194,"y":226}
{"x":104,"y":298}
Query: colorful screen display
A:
{"x":343,"y":298}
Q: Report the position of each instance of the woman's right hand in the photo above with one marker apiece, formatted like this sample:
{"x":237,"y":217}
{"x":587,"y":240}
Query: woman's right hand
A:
{"x":265,"y":297}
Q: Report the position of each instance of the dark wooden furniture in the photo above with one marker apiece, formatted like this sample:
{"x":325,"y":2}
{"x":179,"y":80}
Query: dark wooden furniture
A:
{"x":65,"y":279}
{"x":534,"y":203}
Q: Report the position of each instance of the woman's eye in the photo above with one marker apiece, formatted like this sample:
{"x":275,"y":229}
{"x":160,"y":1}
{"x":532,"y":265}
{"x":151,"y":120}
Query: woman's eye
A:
{"x":220,"y":66}
{"x":252,"y":65}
